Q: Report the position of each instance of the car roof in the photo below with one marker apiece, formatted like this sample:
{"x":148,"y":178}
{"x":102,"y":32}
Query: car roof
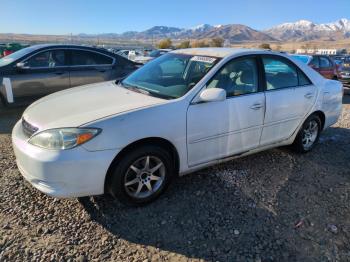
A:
{"x":45,"y":46}
{"x":217,"y":51}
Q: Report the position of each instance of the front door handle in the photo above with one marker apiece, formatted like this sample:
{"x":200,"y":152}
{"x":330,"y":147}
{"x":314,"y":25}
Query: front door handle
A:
{"x":309,"y":95}
{"x":256,"y":106}
{"x":59,"y":73}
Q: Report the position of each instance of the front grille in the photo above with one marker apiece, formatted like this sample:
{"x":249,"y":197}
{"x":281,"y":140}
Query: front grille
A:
{"x":28,"y":129}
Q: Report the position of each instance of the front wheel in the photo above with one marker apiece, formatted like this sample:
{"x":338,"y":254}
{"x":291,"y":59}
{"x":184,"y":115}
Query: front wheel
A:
{"x":142,"y":175}
{"x":308,"y":135}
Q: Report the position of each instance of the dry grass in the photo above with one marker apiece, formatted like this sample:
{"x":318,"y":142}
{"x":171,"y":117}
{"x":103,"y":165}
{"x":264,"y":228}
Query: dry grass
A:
{"x":94,"y":40}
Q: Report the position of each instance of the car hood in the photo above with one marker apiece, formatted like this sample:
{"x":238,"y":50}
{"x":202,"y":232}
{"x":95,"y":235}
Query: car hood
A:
{"x":77,"y":106}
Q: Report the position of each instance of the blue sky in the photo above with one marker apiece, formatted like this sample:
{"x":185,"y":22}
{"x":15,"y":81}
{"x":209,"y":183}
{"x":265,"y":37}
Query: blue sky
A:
{"x":108,"y":16}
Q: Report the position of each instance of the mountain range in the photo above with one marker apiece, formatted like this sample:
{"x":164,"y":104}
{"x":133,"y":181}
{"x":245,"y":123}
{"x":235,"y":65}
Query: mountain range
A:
{"x":302,"y":30}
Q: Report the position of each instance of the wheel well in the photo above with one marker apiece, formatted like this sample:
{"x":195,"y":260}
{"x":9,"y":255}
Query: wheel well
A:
{"x":322,"y":117}
{"x":146,"y":141}
{"x":2,"y":100}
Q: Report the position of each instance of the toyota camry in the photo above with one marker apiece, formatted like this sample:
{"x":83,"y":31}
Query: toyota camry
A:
{"x":181,"y":112}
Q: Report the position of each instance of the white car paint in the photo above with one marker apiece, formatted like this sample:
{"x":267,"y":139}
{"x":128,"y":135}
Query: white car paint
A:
{"x":202,"y":133}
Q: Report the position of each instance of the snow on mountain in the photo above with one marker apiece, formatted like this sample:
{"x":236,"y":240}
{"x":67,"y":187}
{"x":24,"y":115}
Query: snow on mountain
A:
{"x":307,"y":30}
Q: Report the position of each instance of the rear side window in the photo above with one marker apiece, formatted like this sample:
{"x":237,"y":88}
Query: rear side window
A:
{"x":303,"y":80}
{"x":324,"y":62}
{"x":84,"y":58}
{"x":279,"y":73}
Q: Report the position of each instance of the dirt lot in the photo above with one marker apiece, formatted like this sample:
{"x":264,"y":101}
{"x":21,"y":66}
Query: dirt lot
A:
{"x":272,"y":206}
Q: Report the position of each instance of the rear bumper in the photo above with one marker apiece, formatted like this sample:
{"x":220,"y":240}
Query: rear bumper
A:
{"x":68,"y":173}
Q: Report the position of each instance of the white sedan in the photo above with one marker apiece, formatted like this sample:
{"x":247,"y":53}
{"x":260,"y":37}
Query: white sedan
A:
{"x":181,"y":112}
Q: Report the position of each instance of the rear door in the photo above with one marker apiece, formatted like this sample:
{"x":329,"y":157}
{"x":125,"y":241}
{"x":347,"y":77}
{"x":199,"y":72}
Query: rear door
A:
{"x":289,"y":97}
{"x":43,"y":73}
{"x":88,"y":67}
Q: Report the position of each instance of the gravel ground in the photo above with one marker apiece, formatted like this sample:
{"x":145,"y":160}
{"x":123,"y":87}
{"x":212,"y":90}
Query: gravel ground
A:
{"x":272,"y":206}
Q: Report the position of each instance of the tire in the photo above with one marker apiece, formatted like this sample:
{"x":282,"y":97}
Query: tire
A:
{"x":2,"y":102}
{"x":132,"y":178}
{"x":308,"y":135}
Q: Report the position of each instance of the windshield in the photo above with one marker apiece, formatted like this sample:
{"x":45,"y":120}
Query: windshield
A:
{"x":303,"y":58}
{"x":16,"y":55}
{"x":170,"y":76}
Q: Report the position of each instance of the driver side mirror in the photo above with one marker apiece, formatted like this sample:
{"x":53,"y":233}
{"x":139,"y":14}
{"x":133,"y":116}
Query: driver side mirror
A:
{"x":21,"y":66}
{"x":212,"y":95}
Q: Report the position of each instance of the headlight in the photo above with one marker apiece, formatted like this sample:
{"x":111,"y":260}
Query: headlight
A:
{"x":63,"y":138}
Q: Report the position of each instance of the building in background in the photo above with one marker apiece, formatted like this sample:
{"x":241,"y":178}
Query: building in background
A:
{"x":320,"y":51}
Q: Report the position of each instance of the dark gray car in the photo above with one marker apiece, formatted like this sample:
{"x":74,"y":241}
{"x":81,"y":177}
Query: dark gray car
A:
{"x":40,"y":70}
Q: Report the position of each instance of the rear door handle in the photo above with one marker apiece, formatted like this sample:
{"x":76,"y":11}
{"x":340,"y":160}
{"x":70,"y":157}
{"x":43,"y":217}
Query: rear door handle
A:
{"x":59,"y":73}
{"x":309,"y":95}
{"x":256,"y":106}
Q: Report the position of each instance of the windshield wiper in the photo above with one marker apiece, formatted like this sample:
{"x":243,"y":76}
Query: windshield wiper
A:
{"x":134,"y":88}
{"x":145,"y":92}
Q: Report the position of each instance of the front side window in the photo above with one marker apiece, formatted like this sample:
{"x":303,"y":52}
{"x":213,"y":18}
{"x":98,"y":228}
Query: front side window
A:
{"x":86,"y":58}
{"x":324,"y":62}
{"x":238,"y":77}
{"x":170,"y":76}
{"x":279,"y":73}
{"x":50,"y":59}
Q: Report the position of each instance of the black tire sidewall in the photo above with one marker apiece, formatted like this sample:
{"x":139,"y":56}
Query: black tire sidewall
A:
{"x":116,"y":186}
{"x":298,"y":143}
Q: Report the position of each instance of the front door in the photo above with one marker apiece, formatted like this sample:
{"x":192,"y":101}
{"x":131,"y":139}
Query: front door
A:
{"x":221,"y":129}
{"x":40,"y":75}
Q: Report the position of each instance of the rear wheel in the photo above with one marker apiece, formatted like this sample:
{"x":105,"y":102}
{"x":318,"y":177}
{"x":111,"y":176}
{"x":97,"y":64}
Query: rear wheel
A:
{"x":308,"y":135}
{"x":142,"y":175}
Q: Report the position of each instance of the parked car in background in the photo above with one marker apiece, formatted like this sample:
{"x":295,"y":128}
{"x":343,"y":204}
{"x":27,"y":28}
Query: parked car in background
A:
{"x":152,"y":55}
{"x":322,"y":64}
{"x":127,"y":53}
{"x":185,"y":110}
{"x":40,"y":70}
{"x":346,"y":62}
{"x":10,"y":48}
{"x":2,"y":48}
{"x":345,"y":75}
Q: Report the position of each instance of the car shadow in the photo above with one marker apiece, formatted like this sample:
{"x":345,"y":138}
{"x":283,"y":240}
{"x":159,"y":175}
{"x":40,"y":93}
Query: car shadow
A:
{"x":240,"y":211}
{"x":221,"y":225}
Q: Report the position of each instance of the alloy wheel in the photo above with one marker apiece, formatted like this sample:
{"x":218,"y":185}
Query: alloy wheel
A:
{"x":310,"y":134}
{"x":144,"y":177}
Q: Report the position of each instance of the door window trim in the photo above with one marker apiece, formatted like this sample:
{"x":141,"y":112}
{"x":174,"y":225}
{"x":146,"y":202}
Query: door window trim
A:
{"x":93,"y":51}
{"x":68,"y":54}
